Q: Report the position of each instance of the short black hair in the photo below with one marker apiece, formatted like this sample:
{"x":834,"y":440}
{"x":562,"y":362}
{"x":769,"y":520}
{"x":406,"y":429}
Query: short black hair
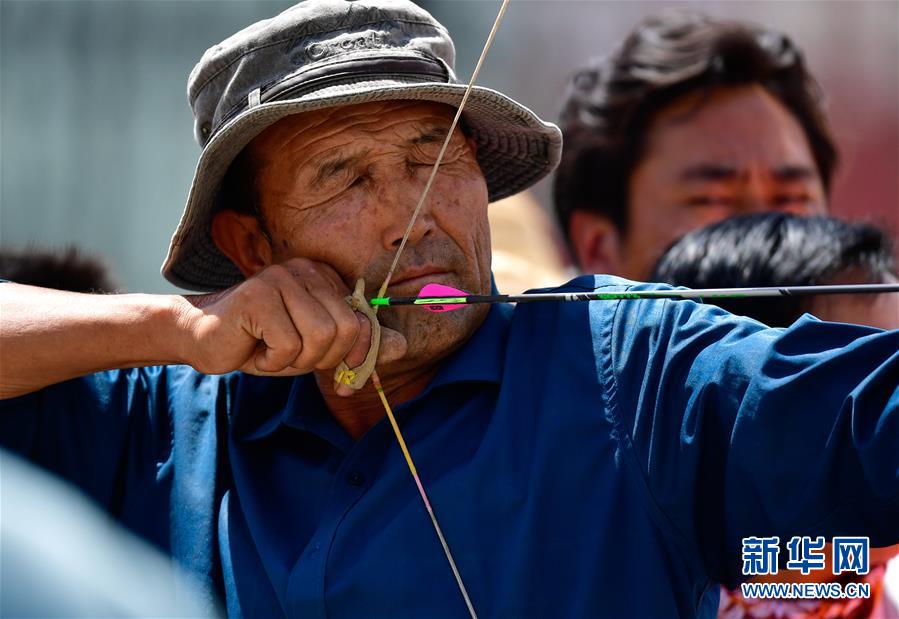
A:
{"x":775,"y":249}
{"x":611,"y":101}
{"x":66,"y":269}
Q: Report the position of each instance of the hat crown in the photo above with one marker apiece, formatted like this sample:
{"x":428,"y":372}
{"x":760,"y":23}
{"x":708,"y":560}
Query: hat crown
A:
{"x":314,"y":39}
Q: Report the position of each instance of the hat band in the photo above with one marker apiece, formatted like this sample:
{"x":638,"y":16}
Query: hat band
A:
{"x":429,"y":69}
{"x":422,"y":69}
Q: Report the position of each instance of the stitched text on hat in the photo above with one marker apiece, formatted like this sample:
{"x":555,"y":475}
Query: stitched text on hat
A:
{"x":340,"y":45}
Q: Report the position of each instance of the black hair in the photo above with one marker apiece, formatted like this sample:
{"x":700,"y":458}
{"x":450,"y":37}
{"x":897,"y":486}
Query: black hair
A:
{"x":775,"y":249}
{"x":67,"y":269}
{"x":612,"y":101}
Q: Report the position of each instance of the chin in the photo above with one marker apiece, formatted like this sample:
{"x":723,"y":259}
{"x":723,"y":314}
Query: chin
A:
{"x":432,"y":337}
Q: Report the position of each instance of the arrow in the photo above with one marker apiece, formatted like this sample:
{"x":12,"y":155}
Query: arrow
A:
{"x":440,"y":298}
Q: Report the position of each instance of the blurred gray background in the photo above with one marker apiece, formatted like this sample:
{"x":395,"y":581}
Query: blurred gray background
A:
{"x":96,"y":145}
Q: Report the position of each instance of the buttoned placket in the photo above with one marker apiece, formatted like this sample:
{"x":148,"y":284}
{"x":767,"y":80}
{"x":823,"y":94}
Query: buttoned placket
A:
{"x":306,"y":588}
{"x":357,"y":466}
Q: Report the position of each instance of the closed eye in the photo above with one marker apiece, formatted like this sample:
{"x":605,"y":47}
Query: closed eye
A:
{"x":350,"y":183}
{"x":420,"y":164}
{"x":425,"y":152}
{"x":706,"y":200}
{"x":782,"y":200}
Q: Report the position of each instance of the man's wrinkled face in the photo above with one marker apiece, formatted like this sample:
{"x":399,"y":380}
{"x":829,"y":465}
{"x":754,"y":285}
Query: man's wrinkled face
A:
{"x":708,"y":156}
{"x":339,"y":186}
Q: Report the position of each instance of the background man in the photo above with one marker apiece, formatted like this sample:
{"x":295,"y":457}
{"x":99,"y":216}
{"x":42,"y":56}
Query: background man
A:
{"x":779,"y":249}
{"x":689,"y":121}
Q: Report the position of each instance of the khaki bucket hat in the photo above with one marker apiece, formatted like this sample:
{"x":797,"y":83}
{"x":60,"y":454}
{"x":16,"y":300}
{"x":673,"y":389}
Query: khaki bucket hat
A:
{"x":327,"y":53}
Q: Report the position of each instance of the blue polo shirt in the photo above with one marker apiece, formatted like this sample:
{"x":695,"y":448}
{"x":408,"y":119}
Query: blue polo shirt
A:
{"x":584,"y":460}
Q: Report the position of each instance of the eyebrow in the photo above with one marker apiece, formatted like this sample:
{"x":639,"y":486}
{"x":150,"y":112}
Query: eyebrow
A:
{"x":430,"y":135}
{"x":328,"y":168}
{"x":794,"y":172}
{"x":710,"y":172}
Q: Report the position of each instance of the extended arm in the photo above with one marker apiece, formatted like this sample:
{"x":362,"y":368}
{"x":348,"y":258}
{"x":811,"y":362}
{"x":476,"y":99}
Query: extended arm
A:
{"x":741,"y":430}
{"x":289,"y":319}
{"x":48,"y":336}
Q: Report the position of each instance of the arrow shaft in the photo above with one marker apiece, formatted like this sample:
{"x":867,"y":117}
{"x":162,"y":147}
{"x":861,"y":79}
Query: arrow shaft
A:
{"x":703,"y":293}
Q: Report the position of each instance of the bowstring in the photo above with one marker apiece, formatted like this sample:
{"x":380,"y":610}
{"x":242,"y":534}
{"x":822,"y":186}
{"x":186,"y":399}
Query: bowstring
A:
{"x":383,"y":290}
{"x":424,"y":194}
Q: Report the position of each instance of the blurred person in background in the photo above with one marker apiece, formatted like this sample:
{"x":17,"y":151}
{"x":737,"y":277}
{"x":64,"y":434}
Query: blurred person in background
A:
{"x":69,"y":269}
{"x":779,"y":249}
{"x":86,"y":564}
{"x":526,"y":250}
{"x":64,"y":556}
{"x":690,"y":120}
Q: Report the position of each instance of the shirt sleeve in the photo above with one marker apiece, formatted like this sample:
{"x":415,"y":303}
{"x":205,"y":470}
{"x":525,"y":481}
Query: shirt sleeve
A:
{"x":740,"y":430}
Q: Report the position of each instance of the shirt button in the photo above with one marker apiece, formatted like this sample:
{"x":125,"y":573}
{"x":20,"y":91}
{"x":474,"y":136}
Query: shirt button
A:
{"x":355,"y":478}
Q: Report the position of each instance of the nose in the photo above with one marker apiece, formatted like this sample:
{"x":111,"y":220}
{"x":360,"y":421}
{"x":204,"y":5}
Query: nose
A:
{"x":754,"y":196}
{"x":399,"y":200}
{"x":752,"y":203}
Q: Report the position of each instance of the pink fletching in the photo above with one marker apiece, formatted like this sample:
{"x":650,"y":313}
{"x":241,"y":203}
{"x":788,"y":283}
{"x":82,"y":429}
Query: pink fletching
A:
{"x":439,"y":290}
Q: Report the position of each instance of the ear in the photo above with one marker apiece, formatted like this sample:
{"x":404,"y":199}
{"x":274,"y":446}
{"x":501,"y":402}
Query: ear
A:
{"x":473,"y":146}
{"x":595,"y":241}
{"x":240,"y":238}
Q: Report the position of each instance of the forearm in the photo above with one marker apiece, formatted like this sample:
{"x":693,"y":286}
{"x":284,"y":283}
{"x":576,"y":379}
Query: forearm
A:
{"x":48,"y":336}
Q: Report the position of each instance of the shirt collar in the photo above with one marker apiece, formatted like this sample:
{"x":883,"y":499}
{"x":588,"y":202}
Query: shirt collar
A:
{"x":263,"y":404}
{"x":481,"y":358}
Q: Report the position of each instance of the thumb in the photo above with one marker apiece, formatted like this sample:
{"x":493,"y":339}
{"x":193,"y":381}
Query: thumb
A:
{"x":358,"y":352}
{"x":393,"y":346}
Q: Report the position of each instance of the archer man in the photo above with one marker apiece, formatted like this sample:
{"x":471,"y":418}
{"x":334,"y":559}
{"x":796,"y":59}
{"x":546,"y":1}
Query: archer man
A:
{"x":600,"y":459}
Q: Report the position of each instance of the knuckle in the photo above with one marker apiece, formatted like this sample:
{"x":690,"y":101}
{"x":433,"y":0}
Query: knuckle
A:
{"x":279,"y":275}
{"x":347,"y":327}
{"x":317,"y":341}
{"x":265,"y":300}
{"x":323,"y":334}
{"x":256,"y":289}
{"x":315,"y":283}
{"x":291,"y":348}
{"x":247,"y":290}
{"x":281,"y":360}
{"x":323,"y":277}
{"x":268,"y":363}
{"x":295,"y":262}
{"x":276,"y":270}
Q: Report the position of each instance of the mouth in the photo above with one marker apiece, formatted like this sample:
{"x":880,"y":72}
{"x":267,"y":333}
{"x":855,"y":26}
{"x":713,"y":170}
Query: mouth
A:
{"x":411,"y":282}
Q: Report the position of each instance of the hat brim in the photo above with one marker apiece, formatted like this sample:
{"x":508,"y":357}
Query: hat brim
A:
{"x":515,"y":149}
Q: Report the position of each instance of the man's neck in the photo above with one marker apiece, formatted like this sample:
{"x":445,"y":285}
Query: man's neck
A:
{"x":358,"y":413}
{"x":403,"y":379}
